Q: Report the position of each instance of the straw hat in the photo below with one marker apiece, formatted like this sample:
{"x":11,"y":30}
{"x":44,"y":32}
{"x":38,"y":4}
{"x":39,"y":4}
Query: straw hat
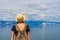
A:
{"x":20,"y":17}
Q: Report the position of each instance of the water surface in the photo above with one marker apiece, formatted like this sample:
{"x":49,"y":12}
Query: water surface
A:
{"x":38,"y":30}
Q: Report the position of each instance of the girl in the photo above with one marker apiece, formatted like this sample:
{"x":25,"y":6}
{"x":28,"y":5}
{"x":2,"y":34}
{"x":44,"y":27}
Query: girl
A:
{"x":20,"y":31}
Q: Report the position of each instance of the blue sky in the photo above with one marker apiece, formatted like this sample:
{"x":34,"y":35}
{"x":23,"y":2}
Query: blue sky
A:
{"x":47,"y":10}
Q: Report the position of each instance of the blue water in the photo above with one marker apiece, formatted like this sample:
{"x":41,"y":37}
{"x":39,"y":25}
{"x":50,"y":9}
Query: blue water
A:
{"x":38,"y":30}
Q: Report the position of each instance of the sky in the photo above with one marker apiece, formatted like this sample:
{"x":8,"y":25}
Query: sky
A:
{"x":34,"y":10}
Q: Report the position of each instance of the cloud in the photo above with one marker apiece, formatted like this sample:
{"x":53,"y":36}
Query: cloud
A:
{"x":33,"y":9}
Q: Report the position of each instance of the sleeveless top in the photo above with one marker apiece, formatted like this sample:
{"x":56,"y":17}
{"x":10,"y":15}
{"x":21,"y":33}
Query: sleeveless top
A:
{"x":20,"y":35}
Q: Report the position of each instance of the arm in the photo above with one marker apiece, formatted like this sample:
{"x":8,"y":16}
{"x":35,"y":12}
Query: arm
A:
{"x":28,"y":35}
{"x":28,"y":31}
{"x":12,"y":32}
{"x":12,"y":35}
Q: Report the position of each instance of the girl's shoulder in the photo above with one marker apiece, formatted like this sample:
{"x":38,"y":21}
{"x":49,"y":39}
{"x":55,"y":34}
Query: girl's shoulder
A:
{"x":13,"y":28}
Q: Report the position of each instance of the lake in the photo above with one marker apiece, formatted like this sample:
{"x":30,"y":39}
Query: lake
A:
{"x":38,"y":30}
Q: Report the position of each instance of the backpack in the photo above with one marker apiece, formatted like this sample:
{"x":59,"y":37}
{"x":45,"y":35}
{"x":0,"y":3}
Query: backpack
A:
{"x":21,"y":35}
